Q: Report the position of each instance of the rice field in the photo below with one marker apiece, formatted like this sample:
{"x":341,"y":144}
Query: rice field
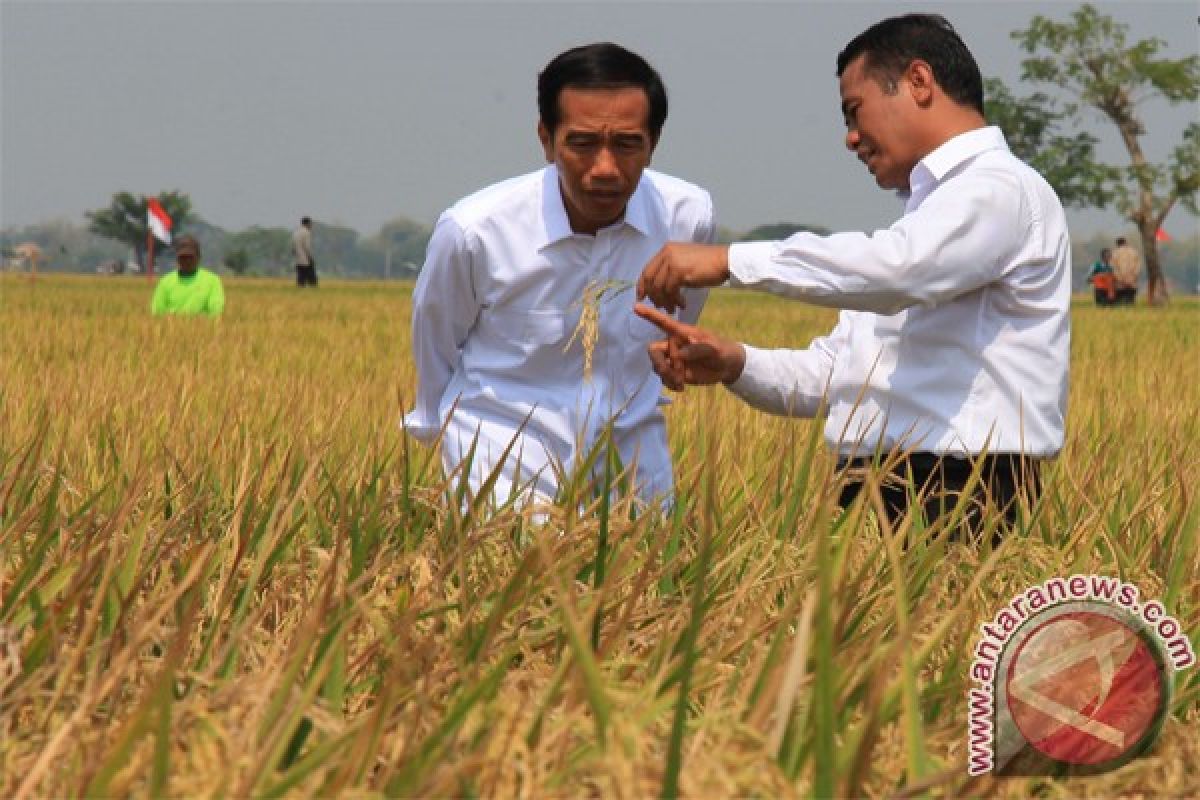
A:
{"x":225,"y":571}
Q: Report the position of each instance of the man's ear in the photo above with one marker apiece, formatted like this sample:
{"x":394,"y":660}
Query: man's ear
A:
{"x":921,"y":83}
{"x":547,"y":141}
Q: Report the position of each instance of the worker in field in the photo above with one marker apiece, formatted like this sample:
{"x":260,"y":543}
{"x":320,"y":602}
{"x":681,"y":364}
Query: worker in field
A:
{"x":508,"y":269}
{"x":1102,"y":279}
{"x":1127,"y":268}
{"x":190,"y":290}
{"x":302,"y":251}
{"x":952,"y":345}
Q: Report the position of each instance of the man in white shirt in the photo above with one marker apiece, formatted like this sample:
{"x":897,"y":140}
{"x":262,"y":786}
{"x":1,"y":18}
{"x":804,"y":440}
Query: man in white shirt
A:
{"x":499,"y":297}
{"x":1127,"y":268}
{"x":306,"y":265}
{"x":954,"y":335}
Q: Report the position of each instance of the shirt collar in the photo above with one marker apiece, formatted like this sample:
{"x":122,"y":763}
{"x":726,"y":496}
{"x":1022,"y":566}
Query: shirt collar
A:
{"x":637,"y":213}
{"x":935,"y":166}
{"x":556,"y":224}
{"x":554,"y":213}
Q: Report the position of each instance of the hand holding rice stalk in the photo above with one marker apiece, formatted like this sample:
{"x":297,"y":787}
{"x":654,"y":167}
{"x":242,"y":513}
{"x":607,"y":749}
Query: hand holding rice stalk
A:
{"x":588,"y":329}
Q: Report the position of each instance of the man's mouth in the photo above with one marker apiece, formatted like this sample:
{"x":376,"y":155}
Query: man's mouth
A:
{"x":604,"y":196}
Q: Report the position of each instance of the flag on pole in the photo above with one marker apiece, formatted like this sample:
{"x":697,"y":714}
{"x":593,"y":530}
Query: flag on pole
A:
{"x":160,"y":223}
{"x":1161,"y":236}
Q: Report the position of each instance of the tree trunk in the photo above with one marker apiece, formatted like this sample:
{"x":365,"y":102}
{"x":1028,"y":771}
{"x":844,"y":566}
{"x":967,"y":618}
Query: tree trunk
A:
{"x":1156,"y":284}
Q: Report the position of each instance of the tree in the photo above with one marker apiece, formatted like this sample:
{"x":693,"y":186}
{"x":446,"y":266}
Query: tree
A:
{"x":1090,"y":60}
{"x":260,"y":247}
{"x":237,"y":260}
{"x":334,"y":247}
{"x":402,"y":243}
{"x":125,"y":218}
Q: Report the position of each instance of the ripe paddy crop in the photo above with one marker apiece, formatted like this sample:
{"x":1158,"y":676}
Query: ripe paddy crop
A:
{"x":226,"y":571}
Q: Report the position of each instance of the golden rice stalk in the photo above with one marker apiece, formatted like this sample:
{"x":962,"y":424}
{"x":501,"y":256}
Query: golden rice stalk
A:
{"x":10,"y":657}
{"x":588,"y":329}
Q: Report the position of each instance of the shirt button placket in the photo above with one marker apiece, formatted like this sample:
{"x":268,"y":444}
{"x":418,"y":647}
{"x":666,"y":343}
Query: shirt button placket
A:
{"x":602,"y":272}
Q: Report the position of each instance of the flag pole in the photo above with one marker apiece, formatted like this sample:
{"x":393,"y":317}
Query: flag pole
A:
{"x":149,"y":254}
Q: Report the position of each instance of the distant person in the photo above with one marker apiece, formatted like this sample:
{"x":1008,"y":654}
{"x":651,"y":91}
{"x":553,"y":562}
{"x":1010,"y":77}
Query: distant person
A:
{"x":306,"y":265}
{"x":954,"y":337}
{"x":1127,"y":268}
{"x":190,"y":290}
{"x":499,"y":296}
{"x":1102,"y":279}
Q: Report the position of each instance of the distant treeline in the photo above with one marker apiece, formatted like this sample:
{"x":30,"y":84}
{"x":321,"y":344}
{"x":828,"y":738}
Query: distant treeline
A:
{"x":398,"y":249}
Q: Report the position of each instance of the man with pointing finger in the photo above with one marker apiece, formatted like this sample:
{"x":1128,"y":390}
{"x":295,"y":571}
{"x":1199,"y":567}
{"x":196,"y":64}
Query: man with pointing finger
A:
{"x":952,"y":343}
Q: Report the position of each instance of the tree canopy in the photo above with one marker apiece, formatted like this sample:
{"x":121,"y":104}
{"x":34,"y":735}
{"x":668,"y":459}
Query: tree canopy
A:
{"x":1089,"y":60}
{"x":125,"y":218}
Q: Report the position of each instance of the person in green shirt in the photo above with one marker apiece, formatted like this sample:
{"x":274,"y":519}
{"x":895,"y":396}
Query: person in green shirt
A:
{"x":190,"y":289}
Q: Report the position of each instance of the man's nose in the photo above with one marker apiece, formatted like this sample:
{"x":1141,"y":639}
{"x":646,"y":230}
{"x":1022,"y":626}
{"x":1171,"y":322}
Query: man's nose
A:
{"x":605,"y":165}
{"x":852,"y":139}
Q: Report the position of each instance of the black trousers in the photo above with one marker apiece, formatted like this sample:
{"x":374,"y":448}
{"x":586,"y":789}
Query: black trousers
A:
{"x":937,"y":482}
{"x":306,"y":274}
{"x":1126,"y":296}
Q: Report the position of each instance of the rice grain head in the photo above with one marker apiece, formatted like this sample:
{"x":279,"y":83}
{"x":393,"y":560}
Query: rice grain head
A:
{"x":587,"y":331}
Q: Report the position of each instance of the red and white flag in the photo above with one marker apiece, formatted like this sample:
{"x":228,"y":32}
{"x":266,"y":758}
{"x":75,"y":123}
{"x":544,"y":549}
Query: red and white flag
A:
{"x":160,"y":223}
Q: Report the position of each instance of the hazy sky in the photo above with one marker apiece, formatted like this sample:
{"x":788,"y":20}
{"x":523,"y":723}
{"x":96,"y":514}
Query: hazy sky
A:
{"x":358,"y":112}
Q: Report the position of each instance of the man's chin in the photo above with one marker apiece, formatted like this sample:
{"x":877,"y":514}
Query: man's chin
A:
{"x":603,"y":217}
{"x":890,"y":185}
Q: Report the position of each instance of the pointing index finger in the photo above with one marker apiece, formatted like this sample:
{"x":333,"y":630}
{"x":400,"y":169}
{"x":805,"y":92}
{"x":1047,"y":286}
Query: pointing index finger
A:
{"x":668,"y":324}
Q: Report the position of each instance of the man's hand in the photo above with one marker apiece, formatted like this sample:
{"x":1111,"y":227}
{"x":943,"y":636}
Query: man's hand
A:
{"x":677,"y":266}
{"x":691,"y":355}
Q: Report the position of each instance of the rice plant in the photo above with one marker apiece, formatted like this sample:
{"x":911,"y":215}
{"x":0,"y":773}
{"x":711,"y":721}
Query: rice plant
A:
{"x":225,"y":570}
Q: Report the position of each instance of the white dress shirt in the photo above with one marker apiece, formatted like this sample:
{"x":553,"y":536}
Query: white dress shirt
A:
{"x":955,"y":334}
{"x":494,"y":308}
{"x":302,"y":246}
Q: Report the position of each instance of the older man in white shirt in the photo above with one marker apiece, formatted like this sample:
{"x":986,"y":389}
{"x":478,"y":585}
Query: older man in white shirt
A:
{"x":500,"y":294}
{"x":954,"y":337}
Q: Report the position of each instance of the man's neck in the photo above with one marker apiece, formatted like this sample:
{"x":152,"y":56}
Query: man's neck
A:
{"x":956,"y":124}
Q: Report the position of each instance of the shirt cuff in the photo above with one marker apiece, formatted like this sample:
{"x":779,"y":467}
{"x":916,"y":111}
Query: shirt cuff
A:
{"x":749,"y":385}
{"x":421,"y":428}
{"x":744,"y":258}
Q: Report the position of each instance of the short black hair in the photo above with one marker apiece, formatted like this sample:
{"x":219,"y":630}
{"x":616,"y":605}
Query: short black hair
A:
{"x":1120,"y":240}
{"x":602,"y":65}
{"x":891,"y":45}
{"x":305,"y":221}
